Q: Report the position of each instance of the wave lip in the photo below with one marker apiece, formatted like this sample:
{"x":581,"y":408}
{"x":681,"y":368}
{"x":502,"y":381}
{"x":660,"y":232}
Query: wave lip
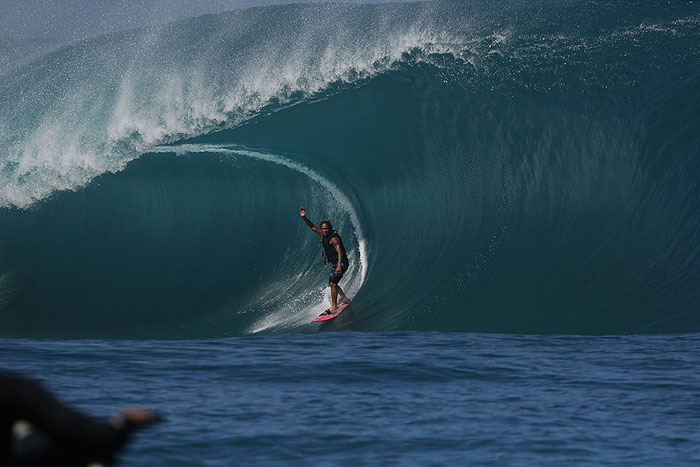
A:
{"x":91,"y":107}
{"x":543,"y":179}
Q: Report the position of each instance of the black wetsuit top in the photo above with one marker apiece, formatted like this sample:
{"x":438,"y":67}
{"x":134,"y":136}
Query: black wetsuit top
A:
{"x":331,"y":253}
{"x":60,"y":436}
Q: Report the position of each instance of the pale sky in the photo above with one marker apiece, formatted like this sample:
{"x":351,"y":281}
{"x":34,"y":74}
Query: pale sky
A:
{"x":76,"y":19}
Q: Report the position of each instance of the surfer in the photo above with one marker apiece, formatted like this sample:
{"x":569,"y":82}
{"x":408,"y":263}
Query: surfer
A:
{"x":337,"y":257}
{"x":38,"y":430}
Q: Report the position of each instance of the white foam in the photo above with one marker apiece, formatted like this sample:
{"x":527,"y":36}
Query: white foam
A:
{"x":116,"y":100}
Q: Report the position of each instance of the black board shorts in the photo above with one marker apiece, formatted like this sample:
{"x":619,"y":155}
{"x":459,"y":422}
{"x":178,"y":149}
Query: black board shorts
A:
{"x":335,"y":278}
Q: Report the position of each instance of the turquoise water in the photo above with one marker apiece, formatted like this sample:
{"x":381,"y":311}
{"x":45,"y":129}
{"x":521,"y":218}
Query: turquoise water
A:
{"x":417,"y":398}
{"x":517,"y":186}
{"x":530,"y":168}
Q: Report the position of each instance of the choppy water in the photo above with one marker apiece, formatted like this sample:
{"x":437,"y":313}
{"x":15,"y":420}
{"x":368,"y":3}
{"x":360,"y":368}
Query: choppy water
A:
{"x":418,"y":398}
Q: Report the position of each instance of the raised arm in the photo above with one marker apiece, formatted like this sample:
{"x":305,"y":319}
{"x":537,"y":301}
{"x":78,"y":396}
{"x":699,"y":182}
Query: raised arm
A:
{"x":302,"y":213}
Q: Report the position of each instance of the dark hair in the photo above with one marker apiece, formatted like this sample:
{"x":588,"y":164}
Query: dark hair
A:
{"x":330,"y":226}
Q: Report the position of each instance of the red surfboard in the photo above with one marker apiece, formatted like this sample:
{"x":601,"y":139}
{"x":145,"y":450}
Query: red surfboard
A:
{"x":323,"y":317}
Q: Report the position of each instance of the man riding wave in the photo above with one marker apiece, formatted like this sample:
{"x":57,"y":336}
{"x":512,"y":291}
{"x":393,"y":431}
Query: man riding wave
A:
{"x":337,"y":257}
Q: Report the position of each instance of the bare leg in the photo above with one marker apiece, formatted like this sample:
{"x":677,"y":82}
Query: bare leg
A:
{"x":343,"y":297}
{"x":334,"y":297}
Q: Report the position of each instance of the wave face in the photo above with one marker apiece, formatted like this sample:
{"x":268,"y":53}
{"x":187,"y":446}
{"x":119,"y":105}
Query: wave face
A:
{"x":524,"y":169}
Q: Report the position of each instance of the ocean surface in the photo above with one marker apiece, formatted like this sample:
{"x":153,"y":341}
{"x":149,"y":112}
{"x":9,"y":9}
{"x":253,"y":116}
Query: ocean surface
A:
{"x":517,"y":185}
{"x":403,"y":398}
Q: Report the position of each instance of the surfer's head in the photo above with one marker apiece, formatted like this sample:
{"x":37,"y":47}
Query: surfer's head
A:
{"x":326,"y":227}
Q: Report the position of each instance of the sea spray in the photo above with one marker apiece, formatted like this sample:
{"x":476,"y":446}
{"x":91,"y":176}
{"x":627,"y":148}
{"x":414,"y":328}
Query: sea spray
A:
{"x":527,"y":170}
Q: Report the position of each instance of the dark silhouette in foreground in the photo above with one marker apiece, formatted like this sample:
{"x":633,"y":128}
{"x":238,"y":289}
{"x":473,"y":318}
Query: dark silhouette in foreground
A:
{"x":38,"y":430}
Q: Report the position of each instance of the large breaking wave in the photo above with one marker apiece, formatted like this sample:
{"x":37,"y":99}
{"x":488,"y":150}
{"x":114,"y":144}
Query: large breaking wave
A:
{"x":529,"y":169}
